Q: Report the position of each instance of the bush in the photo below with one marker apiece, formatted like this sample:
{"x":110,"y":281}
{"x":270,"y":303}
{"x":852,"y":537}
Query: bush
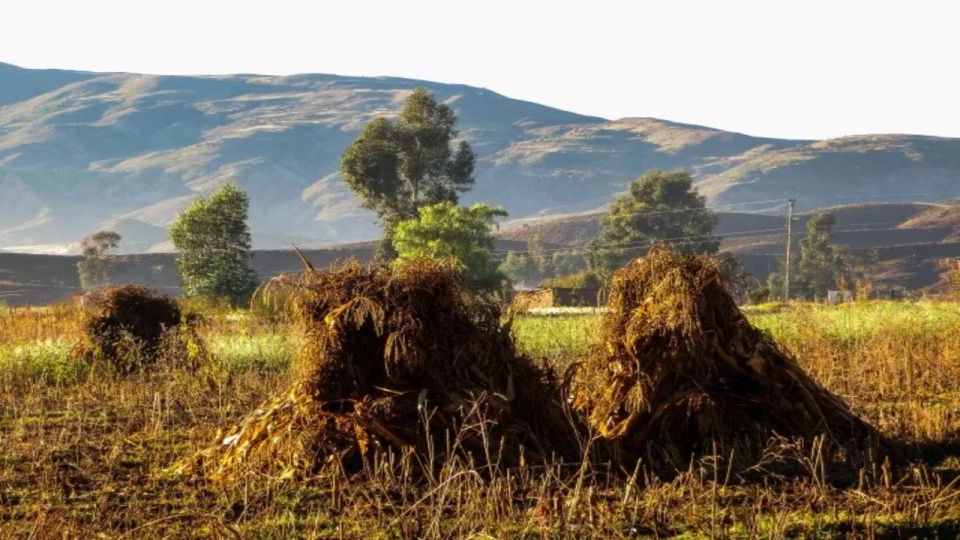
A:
{"x":127,"y":325}
{"x":759,"y":295}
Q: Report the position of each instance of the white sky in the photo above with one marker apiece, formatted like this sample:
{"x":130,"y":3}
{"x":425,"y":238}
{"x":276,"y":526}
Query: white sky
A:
{"x":785,"y":68}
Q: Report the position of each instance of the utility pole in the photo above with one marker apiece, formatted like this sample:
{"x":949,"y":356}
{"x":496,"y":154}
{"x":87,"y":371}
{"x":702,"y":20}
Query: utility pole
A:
{"x":786,"y":280}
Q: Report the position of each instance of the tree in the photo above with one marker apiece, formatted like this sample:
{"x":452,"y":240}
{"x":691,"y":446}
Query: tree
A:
{"x":519,"y":268}
{"x":821,"y":263}
{"x":538,"y":256}
{"x":445,"y":230}
{"x":396,"y":167}
{"x":213,"y":246}
{"x":529,"y":267}
{"x":658,"y":206}
{"x":566,"y":262}
{"x":952,"y":275}
{"x":94,"y":268}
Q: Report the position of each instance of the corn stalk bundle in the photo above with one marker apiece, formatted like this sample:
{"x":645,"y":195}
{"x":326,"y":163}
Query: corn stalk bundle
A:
{"x":398,"y":357}
{"x":680,"y":371}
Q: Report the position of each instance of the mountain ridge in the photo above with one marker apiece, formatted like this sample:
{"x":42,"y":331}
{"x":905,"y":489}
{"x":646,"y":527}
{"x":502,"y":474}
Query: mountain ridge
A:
{"x":81,"y":151}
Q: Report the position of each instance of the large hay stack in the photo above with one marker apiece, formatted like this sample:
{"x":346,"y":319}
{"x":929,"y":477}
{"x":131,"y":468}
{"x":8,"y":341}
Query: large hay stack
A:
{"x":681,"y":372}
{"x":398,"y":357}
{"x":126,"y":325}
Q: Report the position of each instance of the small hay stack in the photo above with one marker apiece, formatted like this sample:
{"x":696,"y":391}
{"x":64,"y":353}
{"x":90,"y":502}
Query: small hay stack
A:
{"x":681,"y":372}
{"x":398,"y":357}
{"x":126,"y":324}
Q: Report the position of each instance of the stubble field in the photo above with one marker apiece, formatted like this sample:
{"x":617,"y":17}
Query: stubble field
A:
{"x":85,"y":453}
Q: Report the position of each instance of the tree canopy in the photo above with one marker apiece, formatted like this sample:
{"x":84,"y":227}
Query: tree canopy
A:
{"x":94,"y":269}
{"x":658,"y":206}
{"x":213,"y":246}
{"x":396,"y":167}
{"x":821,"y":264}
{"x":445,"y":230}
{"x":532,"y":266}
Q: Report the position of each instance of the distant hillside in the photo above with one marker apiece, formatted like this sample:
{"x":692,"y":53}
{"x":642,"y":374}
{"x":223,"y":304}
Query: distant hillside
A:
{"x":898,"y":245}
{"x":82,"y":151}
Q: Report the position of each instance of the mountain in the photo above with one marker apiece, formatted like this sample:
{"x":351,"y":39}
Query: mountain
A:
{"x":84,"y":151}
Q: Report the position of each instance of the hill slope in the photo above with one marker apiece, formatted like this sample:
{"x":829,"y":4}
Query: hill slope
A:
{"x":82,"y":151}
{"x":894,"y":245}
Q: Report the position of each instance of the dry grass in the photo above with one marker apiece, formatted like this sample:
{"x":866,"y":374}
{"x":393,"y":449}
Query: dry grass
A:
{"x":84,"y":456}
{"x":898,"y":363}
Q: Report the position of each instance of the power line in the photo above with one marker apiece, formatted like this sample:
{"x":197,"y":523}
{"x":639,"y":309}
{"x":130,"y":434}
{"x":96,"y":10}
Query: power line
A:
{"x":705,"y":238}
{"x":889,"y":194}
{"x":592,"y":217}
{"x":648,"y":240}
{"x":599,"y":215}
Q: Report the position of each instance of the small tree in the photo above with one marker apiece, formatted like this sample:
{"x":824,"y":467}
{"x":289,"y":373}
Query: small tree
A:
{"x":566,"y":262}
{"x":519,"y":268}
{"x":529,"y":267}
{"x":213,"y":246}
{"x":952,"y":275}
{"x":539,"y":257}
{"x":395,"y":167}
{"x":659,"y":206}
{"x":821,"y":263}
{"x":94,"y":268}
{"x":775,"y":285}
{"x":445,"y":230}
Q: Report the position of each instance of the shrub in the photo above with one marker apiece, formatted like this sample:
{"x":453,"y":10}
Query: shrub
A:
{"x":128,"y":325}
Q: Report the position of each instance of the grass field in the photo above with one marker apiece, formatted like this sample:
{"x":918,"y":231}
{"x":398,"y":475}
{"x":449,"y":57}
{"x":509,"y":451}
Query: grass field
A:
{"x":83,"y":453}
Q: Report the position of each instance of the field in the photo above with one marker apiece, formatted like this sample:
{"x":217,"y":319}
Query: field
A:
{"x":84,"y":453}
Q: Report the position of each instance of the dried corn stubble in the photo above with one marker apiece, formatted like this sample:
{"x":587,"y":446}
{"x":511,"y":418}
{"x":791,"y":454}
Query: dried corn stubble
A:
{"x":680,"y":372}
{"x":398,"y":357}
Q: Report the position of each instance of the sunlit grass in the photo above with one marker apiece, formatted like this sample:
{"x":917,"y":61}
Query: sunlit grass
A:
{"x":46,"y":362}
{"x":261,"y":353}
{"x":559,"y":338}
{"x":857,"y":321}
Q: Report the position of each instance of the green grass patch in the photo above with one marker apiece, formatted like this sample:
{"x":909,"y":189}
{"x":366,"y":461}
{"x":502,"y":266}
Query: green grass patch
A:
{"x":560,"y":338}
{"x":45,"y":362}
{"x":855,"y":322}
{"x":260,"y":353}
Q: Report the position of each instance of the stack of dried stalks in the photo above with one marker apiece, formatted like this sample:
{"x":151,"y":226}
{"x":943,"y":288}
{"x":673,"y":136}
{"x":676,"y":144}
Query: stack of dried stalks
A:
{"x":128,"y":326}
{"x":681,"y":372}
{"x":397,"y":357}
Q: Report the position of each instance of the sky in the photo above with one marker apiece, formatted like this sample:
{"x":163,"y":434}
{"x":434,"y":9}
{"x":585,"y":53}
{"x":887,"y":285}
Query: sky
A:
{"x":779,"y":68}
